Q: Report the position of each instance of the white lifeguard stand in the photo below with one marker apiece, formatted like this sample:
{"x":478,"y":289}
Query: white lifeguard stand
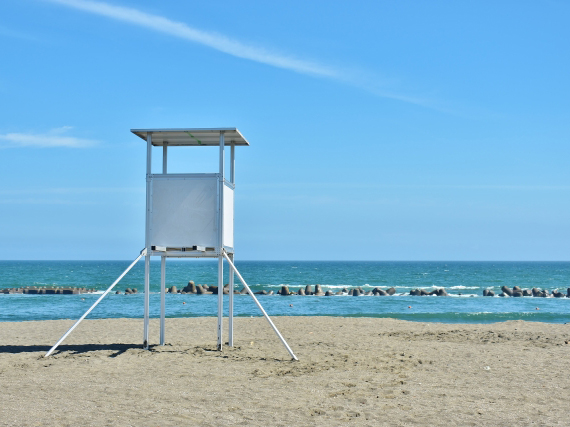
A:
{"x":189,"y":215}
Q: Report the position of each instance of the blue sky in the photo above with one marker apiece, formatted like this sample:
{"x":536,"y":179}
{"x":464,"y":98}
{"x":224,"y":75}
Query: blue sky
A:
{"x":379,"y":130}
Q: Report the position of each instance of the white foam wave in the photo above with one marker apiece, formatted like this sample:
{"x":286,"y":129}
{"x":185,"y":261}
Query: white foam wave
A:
{"x":463,"y":295}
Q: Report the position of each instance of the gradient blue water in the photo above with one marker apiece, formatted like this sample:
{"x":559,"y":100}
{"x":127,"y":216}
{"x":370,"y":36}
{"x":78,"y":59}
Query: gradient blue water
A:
{"x":465,"y":281}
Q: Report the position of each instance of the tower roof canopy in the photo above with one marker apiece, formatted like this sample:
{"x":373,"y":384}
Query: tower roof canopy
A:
{"x":191,"y":136}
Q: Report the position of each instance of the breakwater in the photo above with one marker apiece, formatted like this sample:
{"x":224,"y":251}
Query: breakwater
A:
{"x":307,"y":290}
{"x":318,"y":290}
{"x":47,"y":290}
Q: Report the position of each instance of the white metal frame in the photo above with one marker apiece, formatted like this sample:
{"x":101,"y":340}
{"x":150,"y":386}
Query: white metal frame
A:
{"x":219,"y":251}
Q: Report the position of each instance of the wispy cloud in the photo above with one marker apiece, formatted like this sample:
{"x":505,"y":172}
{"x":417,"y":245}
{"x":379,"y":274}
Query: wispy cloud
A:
{"x":222,"y":43}
{"x":8,"y":32}
{"x":210,"y":39}
{"x":72,"y":191}
{"x":54,"y":138}
{"x":70,"y":195}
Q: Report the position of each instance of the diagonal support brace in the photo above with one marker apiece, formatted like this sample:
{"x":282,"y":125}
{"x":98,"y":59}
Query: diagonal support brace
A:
{"x":259,"y":305}
{"x":143,"y":253}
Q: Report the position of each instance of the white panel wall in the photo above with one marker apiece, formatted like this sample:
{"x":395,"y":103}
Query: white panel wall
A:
{"x":228,"y":216}
{"x":184,"y":212}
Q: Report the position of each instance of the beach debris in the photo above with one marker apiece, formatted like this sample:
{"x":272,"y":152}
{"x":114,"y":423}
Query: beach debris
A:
{"x":487,"y":368}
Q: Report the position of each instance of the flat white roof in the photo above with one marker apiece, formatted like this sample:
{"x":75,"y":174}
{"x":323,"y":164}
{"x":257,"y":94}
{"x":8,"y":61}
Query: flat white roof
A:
{"x":193,"y":136}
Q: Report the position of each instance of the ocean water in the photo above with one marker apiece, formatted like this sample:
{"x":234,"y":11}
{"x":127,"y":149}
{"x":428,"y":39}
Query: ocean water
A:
{"x":464,"y":281}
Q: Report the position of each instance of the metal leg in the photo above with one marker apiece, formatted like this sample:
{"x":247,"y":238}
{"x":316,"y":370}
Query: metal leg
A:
{"x":162,"y":297}
{"x":146,"y":300}
{"x":220,"y":300}
{"x":231,"y":307}
{"x":260,"y":307}
{"x":51,"y":350}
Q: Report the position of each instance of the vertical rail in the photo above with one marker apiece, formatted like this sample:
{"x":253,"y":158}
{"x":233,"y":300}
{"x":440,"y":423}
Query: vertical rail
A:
{"x":163,"y":258}
{"x":221,"y":243}
{"x":220,"y":300}
{"x":231,"y":306}
{"x":164,"y":157}
{"x":260,"y":307}
{"x":233,"y":163}
{"x":231,"y":281}
{"x":162,"y":297}
{"x":51,"y":350}
{"x":147,"y":238}
{"x":146,"y":300}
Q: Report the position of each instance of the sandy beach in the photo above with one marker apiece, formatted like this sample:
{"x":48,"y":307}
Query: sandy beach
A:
{"x":352,"y":371}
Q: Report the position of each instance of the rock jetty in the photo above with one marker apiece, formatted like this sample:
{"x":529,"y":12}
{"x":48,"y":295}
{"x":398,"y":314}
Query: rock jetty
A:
{"x":534,"y":292}
{"x":285,"y":290}
{"x":35,"y":290}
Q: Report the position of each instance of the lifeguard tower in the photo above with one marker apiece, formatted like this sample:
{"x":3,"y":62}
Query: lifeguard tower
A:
{"x":189,"y":215}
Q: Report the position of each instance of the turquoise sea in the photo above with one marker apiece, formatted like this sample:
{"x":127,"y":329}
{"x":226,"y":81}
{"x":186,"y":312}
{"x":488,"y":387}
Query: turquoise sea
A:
{"x":464,"y":281}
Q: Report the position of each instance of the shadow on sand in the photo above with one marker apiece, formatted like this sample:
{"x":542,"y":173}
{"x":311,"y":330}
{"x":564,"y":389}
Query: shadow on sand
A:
{"x":118,"y":349}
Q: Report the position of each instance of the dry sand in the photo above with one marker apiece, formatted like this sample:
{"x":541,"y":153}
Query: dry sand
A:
{"x":351,"y":372}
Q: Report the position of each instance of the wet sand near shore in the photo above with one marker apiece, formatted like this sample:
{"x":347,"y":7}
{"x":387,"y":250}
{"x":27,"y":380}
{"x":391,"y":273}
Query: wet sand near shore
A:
{"x":352,"y":371}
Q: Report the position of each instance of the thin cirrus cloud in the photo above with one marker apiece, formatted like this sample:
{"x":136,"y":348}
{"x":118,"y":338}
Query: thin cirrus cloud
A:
{"x":53,"y":138}
{"x":233,"y":47}
{"x":213,"y":40}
